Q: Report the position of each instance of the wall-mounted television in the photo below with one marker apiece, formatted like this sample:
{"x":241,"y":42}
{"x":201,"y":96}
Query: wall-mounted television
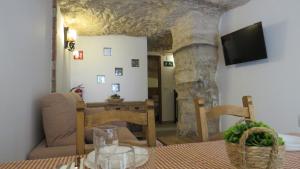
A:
{"x":244,"y":45}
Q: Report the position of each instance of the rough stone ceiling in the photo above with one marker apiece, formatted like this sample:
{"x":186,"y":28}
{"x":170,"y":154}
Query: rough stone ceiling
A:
{"x":151,"y":18}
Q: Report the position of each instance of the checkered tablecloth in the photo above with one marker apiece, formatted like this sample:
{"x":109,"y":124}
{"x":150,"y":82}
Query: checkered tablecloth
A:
{"x":209,"y":155}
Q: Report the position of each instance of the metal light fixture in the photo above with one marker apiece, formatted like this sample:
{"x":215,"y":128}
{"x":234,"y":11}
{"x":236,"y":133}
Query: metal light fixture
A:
{"x":70,"y":38}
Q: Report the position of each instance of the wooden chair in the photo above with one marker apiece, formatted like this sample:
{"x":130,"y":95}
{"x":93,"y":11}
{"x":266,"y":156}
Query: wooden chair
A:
{"x":145,"y":119}
{"x":203,"y":114}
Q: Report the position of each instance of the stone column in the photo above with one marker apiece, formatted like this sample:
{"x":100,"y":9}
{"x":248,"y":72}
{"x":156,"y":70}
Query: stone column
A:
{"x":195,"y":52}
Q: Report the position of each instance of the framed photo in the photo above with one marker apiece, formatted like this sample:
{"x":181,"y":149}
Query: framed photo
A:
{"x":107,"y":51}
{"x":135,"y":63}
{"x":119,"y":71}
{"x":100,"y":79}
{"x":78,"y":55}
{"x":115,"y":87}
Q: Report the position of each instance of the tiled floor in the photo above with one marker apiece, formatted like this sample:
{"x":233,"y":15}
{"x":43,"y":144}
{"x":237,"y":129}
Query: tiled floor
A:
{"x":166,"y":129}
{"x":166,"y":133}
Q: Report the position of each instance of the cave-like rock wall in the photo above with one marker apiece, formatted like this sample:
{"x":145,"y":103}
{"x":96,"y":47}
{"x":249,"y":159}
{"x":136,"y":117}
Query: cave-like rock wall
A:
{"x":151,"y":18}
{"x":189,"y":27}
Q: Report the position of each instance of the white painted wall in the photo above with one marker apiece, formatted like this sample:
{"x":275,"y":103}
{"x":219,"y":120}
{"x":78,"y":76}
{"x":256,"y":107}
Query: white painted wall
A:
{"x":168,"y":86}
{"x":273,"y":83}
{"x":63,"y":57}
{"x":25,"y":71}
{"x":124,"y":48}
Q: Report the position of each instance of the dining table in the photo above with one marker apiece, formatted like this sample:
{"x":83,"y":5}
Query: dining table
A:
{"x":205,"y":155}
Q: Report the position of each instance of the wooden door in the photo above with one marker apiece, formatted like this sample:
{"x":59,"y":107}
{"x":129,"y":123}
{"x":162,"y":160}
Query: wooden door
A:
{"x":154,"y":85}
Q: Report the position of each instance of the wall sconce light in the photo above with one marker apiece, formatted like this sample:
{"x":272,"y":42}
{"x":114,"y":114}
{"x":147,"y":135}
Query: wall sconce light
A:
{"x":70,"y":38}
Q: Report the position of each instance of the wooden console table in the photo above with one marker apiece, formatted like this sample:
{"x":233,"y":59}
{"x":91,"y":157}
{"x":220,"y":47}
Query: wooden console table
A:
{"x":138,"y":106}
{"x":131,"y":106}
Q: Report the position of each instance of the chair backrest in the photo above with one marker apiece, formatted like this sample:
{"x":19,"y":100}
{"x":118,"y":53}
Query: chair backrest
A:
{"x":146,"y":119}
{"x":203,"y":114}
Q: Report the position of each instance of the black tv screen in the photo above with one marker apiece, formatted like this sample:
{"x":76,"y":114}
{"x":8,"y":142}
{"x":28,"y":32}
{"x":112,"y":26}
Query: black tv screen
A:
{"x":244,"y":45}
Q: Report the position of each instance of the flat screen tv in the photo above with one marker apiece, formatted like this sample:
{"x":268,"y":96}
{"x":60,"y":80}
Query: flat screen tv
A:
{"x":244,"y":45}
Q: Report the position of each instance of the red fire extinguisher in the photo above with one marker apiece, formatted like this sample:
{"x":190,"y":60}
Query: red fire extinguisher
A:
{"x":78,"y":90}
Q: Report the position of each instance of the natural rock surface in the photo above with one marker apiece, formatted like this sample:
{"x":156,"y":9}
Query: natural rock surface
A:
{"x":160,"y":42}
{"x":152,"y":18}
{"x":195,"y":70}
{"x":195,"y":53}
{"x":189,"y":27}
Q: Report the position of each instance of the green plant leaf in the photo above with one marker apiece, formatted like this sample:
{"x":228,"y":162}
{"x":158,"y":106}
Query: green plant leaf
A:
{"x":234,"y":133}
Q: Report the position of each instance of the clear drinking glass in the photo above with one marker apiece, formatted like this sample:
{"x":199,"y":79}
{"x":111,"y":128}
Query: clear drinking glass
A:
{"x":109,"y":132}
{"x":122,"y":158}
{"x":105,"y":136}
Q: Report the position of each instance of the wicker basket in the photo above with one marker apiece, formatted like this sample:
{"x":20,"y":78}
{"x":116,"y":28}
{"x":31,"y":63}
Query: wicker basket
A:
{"x":252,"y":157}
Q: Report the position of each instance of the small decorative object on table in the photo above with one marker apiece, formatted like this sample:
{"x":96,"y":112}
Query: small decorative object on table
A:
{"x":115,"y":98}
{"x":254,"y":145}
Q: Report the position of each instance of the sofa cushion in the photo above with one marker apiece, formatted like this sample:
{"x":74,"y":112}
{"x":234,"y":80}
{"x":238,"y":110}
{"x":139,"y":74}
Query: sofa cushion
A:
{"x":59,"y":118}
{"x":42,"y":151}
{"x":125,"y":135}
{"x":75,"y":96}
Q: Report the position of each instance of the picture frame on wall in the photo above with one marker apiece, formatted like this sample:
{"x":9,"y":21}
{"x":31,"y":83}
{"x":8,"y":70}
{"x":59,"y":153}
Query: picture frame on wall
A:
{"x":78,"y":55}
{"x":119,"y":71}
{"x":115,"y":87}
{"x":135,"y":63}
{"x":107,"y":51}
{"x":100,"y":79}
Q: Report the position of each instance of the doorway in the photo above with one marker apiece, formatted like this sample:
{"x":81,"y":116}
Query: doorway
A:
{"x":154,"y":85}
